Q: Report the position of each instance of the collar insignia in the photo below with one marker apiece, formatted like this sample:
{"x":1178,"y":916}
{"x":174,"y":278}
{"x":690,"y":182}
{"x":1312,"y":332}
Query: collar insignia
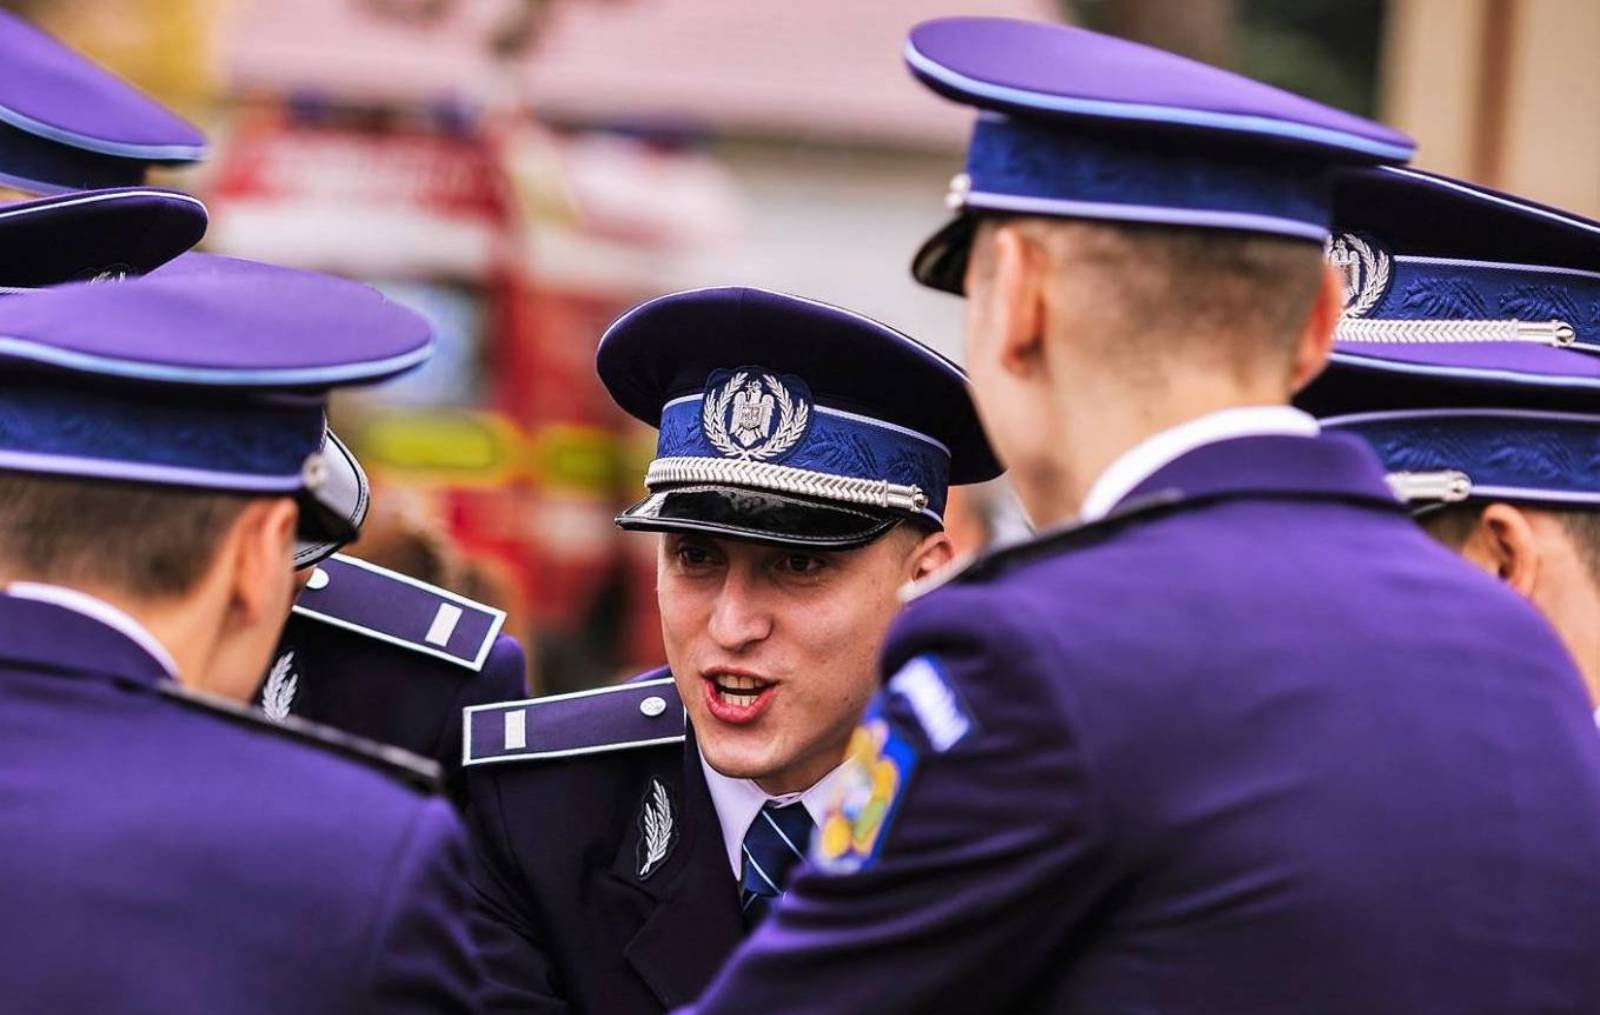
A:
{"x":753,"y":415}
{"x":1364,"y":267}
{"x":278,"y":693}
{"x":658,"y":831}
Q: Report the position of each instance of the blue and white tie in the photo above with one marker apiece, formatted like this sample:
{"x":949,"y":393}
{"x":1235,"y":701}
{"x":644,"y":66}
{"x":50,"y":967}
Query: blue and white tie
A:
{"x":777,"y":840}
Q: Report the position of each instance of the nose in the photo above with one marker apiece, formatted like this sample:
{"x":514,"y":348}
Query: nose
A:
{"x":739,"y":618}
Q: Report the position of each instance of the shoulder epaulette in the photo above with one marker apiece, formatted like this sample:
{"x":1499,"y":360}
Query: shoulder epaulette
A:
{"x":640,"y":713}
{"x":993,"y":563}
{"x":352,"y":594}
{"x":417,"y":772}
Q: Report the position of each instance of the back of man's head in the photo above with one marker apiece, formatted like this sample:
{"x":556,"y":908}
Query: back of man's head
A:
{"x":138,"y":541}
{"x":1144,"y":299}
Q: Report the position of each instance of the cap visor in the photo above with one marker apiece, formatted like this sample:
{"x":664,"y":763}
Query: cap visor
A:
{"x":759,"y":517}
{"x":331,"y":517}
{"x":942,"y":261}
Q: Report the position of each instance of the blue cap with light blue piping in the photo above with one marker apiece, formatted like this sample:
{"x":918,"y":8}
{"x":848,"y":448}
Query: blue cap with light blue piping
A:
{"x":1079,"y":125}
{"x":205,"y":380}
{"x":1468,"y":354}
{"x":789,"y":421}
{"x":67,"y":124}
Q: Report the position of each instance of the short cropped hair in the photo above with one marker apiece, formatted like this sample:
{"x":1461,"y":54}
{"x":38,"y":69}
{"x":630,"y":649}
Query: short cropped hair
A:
{"x":1245,"y":294}
{"x":144,"y":541}
{"x":1452,"y":525}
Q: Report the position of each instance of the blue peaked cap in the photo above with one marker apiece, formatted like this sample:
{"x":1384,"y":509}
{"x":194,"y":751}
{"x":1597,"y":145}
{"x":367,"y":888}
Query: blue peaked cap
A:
{"x":68,"y":124}
{"x":789,"y":421}
{"x":1468,"y":354}
{"x":1080,"y":125}
{"x":208,"y":378}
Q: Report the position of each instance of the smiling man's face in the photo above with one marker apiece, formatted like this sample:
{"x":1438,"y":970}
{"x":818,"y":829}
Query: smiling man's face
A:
{"x":775,"y":650}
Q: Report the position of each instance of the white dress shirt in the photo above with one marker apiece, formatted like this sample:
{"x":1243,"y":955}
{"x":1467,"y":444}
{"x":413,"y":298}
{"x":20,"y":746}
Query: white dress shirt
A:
{"x":738,"y":801}
{"x":97,"y":609}
{"x":1144,"y":459}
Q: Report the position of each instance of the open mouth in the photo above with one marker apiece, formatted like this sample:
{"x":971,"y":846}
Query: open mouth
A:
{"x":737,"y":697}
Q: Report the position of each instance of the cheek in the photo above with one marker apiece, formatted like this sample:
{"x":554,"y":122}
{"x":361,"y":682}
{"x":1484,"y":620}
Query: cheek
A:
{"x":684,"y":608}
{"x":843,"y":645}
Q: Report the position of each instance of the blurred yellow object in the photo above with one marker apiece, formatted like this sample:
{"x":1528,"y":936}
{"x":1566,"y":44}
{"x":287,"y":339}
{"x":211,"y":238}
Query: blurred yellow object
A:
{"x":163,"y":46}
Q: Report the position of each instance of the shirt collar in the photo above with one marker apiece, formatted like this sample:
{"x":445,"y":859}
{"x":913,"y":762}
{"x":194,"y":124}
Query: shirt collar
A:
{"x":1144,"y":459}
{"x":738,"y":801}
{"x":97,"y":609}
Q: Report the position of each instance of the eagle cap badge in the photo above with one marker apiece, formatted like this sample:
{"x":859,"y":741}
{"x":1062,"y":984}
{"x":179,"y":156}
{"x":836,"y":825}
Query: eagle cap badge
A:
{"x":755,"y":415}
{"x":1364,"y":268}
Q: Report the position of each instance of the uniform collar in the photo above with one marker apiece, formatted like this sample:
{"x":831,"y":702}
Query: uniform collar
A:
{"x":64,"y":628}
{"x":1130,"y":469}
{"x":738,"y":801}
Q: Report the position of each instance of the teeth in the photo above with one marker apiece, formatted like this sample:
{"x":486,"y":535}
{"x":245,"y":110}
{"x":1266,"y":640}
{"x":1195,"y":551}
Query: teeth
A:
{"x":737,"y":683}
{"x":739,"y":700}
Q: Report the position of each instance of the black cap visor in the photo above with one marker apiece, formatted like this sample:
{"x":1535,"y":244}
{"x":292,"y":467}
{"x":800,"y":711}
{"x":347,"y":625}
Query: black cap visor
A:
{"x":941,"y":263}
{"x":331,"y":516}
{"x":755,"y":516}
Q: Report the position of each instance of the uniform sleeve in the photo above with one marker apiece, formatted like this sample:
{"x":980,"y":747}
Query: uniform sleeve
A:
{"x":968,"y":847}
{"x":423,"y":961}
{"x":507,"y":933}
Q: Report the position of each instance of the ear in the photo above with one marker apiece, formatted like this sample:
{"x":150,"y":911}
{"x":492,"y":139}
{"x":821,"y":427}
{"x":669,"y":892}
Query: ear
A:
{"x":261,"y":549}
{"x":1504,"y":543}
{"x":1015,"y":297}
{"x":1316,"y":336}
{"x":933,"y":553}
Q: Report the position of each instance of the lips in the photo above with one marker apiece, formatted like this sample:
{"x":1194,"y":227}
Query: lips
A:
{"x":737,"y":698}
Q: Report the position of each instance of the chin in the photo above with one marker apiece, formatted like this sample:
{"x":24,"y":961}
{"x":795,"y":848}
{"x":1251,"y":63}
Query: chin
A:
{"x":737,"y":763}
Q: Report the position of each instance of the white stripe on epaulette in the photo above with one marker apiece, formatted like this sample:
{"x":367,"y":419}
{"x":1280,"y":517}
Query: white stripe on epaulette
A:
{"x":514,"y":728}
{"x":444,"y":622}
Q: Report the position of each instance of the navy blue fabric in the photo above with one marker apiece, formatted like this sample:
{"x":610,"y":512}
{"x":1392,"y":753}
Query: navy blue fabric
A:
{"x":563,"y":918}
{"x":1241,"y":750}
{"x":777,"y":840}
{"x":147,"y":427}
{"x":833,"y":444}
{"x":1026,"y":158}
{"x":35,"y":163}
{"x":162,"y":857}
{"x":1430,"y":290}
{"x":1507,"y":452}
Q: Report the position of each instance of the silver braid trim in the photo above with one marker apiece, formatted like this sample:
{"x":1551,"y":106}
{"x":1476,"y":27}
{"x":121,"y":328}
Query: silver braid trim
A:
{"x":1448,"y":486}
{"x":1557,"y":334}
{"x":784,"y":479}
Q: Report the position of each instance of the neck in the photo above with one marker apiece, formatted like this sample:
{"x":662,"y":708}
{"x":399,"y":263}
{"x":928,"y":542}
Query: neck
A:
{"x":177,"y":625}
{"x":1095,"y":423}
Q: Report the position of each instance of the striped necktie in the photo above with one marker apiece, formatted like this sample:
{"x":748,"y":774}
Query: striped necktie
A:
{"x":776,"y":841}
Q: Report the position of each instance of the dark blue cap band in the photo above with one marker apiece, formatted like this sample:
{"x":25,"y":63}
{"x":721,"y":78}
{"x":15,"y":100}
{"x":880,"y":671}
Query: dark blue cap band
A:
{"x":834,"y":442}
{"x":98,"y":432}
{"x":1447,"y":289}
{"x":33,"y":163}
{"x":1507,"y":454}
{"x":1020,"y":165}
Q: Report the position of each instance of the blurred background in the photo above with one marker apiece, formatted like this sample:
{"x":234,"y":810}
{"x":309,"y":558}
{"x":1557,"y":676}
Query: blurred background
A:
{"x":521,"y":171}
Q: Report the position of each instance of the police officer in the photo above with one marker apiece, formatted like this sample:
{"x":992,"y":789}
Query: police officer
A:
{"x":1466,"y":358}
{"x":630,"y":836}
{"x":166,"y":849}
{"x":86,"y":138}
{"x":1233,"y":736}
{"x":367,"y":650}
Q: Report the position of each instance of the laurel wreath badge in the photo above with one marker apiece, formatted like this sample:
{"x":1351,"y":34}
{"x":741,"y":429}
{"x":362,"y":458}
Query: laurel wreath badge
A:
{"x":278,"y":694}
{"x":658,"y":831}
{"x":1363,"y":267}
{"x":793,"y":416}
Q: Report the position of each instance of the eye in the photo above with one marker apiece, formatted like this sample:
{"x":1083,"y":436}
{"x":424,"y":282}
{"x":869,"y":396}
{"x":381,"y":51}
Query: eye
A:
{"x":692,"y":555}
{"x":801,"y":563}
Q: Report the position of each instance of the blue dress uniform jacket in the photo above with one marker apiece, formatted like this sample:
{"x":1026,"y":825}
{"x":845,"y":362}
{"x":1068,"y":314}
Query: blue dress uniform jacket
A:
{"x":168,"y":856}
{"x":602,"y":884}
{"x":366,"y":651}
{"x":1253,"y":744}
